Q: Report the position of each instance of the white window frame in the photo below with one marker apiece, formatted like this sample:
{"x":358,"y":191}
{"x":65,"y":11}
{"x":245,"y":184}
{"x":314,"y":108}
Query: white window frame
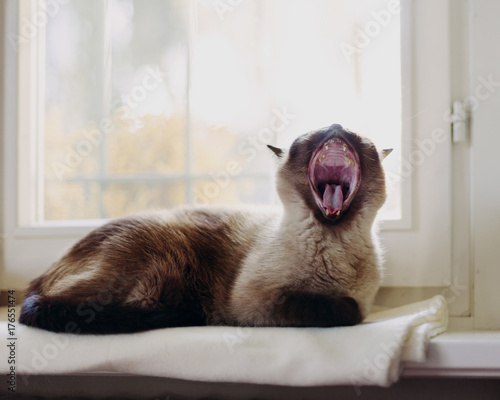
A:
{"x":484,"y":99}
{"x":29,"y":248}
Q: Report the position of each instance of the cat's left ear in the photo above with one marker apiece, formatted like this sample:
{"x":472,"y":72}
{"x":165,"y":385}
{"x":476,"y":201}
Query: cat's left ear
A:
{"x":384,"y":153}
{"x":276,"y":150}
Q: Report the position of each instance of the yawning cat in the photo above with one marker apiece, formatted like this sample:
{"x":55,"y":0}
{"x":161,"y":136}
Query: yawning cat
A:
{"x":315,"y":264}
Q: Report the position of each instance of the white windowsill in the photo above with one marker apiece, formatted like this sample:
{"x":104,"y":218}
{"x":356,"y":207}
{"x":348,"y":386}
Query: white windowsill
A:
{"x":459,"y":353}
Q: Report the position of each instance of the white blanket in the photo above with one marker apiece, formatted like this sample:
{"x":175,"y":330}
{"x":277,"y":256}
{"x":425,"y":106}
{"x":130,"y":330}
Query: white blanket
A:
{"x":372,"y":353}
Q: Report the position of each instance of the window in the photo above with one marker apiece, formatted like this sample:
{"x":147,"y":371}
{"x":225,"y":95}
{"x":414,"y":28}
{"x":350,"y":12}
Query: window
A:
{"x":126,"y":105}
{"x":163,"y":103}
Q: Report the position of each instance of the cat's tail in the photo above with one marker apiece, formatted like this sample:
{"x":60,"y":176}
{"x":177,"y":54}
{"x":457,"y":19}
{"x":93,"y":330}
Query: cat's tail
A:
{"x":93,"y":318}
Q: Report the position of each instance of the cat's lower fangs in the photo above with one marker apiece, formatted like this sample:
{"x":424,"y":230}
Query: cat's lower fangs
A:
{"x":328,"y":212}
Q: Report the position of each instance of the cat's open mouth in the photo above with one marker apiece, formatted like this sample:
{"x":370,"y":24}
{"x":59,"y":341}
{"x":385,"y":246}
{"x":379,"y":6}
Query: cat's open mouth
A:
{"x":334,"y":176}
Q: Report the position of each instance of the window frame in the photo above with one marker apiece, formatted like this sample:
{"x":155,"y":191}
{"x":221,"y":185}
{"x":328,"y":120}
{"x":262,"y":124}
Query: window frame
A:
{"x":46,"y":241}
{"x":484,"y":100}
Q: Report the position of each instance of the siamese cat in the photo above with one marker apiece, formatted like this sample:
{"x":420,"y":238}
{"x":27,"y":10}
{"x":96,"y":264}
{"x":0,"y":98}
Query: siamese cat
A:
{"x":315,"y":264}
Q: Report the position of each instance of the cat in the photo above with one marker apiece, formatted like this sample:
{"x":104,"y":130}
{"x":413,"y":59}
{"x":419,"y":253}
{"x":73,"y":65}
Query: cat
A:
{"x":314,"y":264}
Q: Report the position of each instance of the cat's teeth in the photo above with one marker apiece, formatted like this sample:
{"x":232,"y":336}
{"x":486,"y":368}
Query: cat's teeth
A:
{"x":327,"y":213}
{"x":344,"y":147}
{"x":351,"y":163}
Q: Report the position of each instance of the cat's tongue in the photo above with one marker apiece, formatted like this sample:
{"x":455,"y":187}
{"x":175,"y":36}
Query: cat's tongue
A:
{"x":333,"y":198}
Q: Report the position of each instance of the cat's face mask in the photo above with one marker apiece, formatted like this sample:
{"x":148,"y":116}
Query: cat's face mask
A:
{"x":337,"y":162}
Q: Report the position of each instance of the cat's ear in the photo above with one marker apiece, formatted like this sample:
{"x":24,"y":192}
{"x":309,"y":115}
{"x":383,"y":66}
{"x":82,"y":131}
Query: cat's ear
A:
{"x":276,"y":150}
{"x":384,"y":153}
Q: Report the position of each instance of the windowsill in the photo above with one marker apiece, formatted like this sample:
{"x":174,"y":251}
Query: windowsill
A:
{"x":460,"y":353}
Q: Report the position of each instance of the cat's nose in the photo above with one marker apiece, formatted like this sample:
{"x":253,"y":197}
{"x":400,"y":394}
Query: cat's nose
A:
{"x":336,"y":127}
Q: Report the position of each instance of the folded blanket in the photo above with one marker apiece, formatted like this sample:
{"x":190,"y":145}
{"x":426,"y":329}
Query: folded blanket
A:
{"x":371,"y":353}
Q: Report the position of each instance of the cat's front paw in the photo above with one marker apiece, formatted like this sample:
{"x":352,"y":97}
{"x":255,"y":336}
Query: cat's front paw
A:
{"x":316,"y":310}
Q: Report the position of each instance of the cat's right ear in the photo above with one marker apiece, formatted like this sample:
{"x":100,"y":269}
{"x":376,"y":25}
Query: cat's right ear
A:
{"x":276,"y":150}
{"x":384,"y":153}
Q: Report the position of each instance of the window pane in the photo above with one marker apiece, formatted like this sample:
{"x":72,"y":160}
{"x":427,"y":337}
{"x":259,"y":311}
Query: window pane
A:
{"x":72,"y":200}
{"x":231,"y":94}
{"x":94,"y":200}
{"x":231,"y":191}
{"x":119,"y":199}
{"x":154,"y":144}
{"x":339,"y":61}
{"x":164,"y":90}
{"x":115,"y":107}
